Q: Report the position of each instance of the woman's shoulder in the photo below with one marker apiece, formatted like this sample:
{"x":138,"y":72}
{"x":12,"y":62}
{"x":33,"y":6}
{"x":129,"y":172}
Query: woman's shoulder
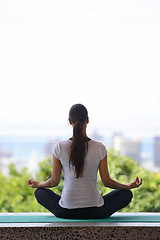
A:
{"x":99,"y":147}
{"x":63,"y":143}
{"x":96,"y":143}
{"x":60,"y":147}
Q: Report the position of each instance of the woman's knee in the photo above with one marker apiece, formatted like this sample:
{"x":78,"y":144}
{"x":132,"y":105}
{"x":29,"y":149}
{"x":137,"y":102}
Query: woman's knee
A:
{"x":129,"y":195}
{"x":38,"y":193}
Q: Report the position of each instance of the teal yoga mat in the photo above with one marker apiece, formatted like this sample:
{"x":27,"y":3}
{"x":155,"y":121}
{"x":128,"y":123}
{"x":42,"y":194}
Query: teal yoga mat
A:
{"x":53,"y":219}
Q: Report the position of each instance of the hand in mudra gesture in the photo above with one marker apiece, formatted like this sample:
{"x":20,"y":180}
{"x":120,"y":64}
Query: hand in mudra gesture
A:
{"x":136,"y":183}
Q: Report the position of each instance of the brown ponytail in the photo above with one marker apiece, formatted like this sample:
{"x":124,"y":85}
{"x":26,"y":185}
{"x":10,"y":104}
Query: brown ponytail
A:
{"x":78,"y":115}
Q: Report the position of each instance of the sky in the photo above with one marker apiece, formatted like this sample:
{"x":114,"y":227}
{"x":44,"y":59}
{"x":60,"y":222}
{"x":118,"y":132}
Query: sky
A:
{"x":103,"y":54}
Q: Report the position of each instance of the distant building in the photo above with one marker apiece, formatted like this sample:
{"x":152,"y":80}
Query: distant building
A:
{"x":132,"y":149}
{"x":157,"y":151}
{"x":118,"y":141}
{"x":127,"y":147}
{"x":5,"y":153}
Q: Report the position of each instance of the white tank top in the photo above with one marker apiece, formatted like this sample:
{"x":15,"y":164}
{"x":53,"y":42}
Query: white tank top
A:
{"x":83,"y":191}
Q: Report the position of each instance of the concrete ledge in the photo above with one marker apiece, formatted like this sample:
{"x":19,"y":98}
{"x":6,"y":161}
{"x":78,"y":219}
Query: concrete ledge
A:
{"x":80,"y":230}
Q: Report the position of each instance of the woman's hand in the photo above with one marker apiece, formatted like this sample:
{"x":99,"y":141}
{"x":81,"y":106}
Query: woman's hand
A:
{"x":136,"y":183}
{"x":32,"y":183}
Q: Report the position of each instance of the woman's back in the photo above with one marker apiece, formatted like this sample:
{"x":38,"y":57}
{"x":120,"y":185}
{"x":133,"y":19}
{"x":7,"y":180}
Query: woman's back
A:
{"x":80,"y":158}
{"x":80,"y":192}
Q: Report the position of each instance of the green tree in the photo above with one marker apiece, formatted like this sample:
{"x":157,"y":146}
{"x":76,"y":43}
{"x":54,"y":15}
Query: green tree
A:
{"x":17,"y":196}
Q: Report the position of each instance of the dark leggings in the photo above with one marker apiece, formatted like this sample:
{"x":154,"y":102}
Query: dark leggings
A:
{"x":113,"y":202}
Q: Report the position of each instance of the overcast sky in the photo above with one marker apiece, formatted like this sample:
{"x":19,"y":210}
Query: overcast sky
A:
{"x":104,"y":54}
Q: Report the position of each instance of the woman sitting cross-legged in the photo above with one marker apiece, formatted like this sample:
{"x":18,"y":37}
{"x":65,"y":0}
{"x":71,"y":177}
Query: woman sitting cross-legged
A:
{"x":80,"y":158}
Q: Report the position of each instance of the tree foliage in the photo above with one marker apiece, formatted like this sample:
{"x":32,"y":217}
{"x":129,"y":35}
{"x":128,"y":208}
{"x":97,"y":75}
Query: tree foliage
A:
{"x":16,"y":196}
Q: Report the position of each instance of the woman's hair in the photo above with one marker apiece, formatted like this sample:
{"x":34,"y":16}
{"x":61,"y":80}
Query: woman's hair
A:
{"x":78,"y":115}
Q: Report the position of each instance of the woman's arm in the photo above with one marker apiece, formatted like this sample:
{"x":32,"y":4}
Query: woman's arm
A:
{"x":108,"y":182}
{"x":51,"y":182}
